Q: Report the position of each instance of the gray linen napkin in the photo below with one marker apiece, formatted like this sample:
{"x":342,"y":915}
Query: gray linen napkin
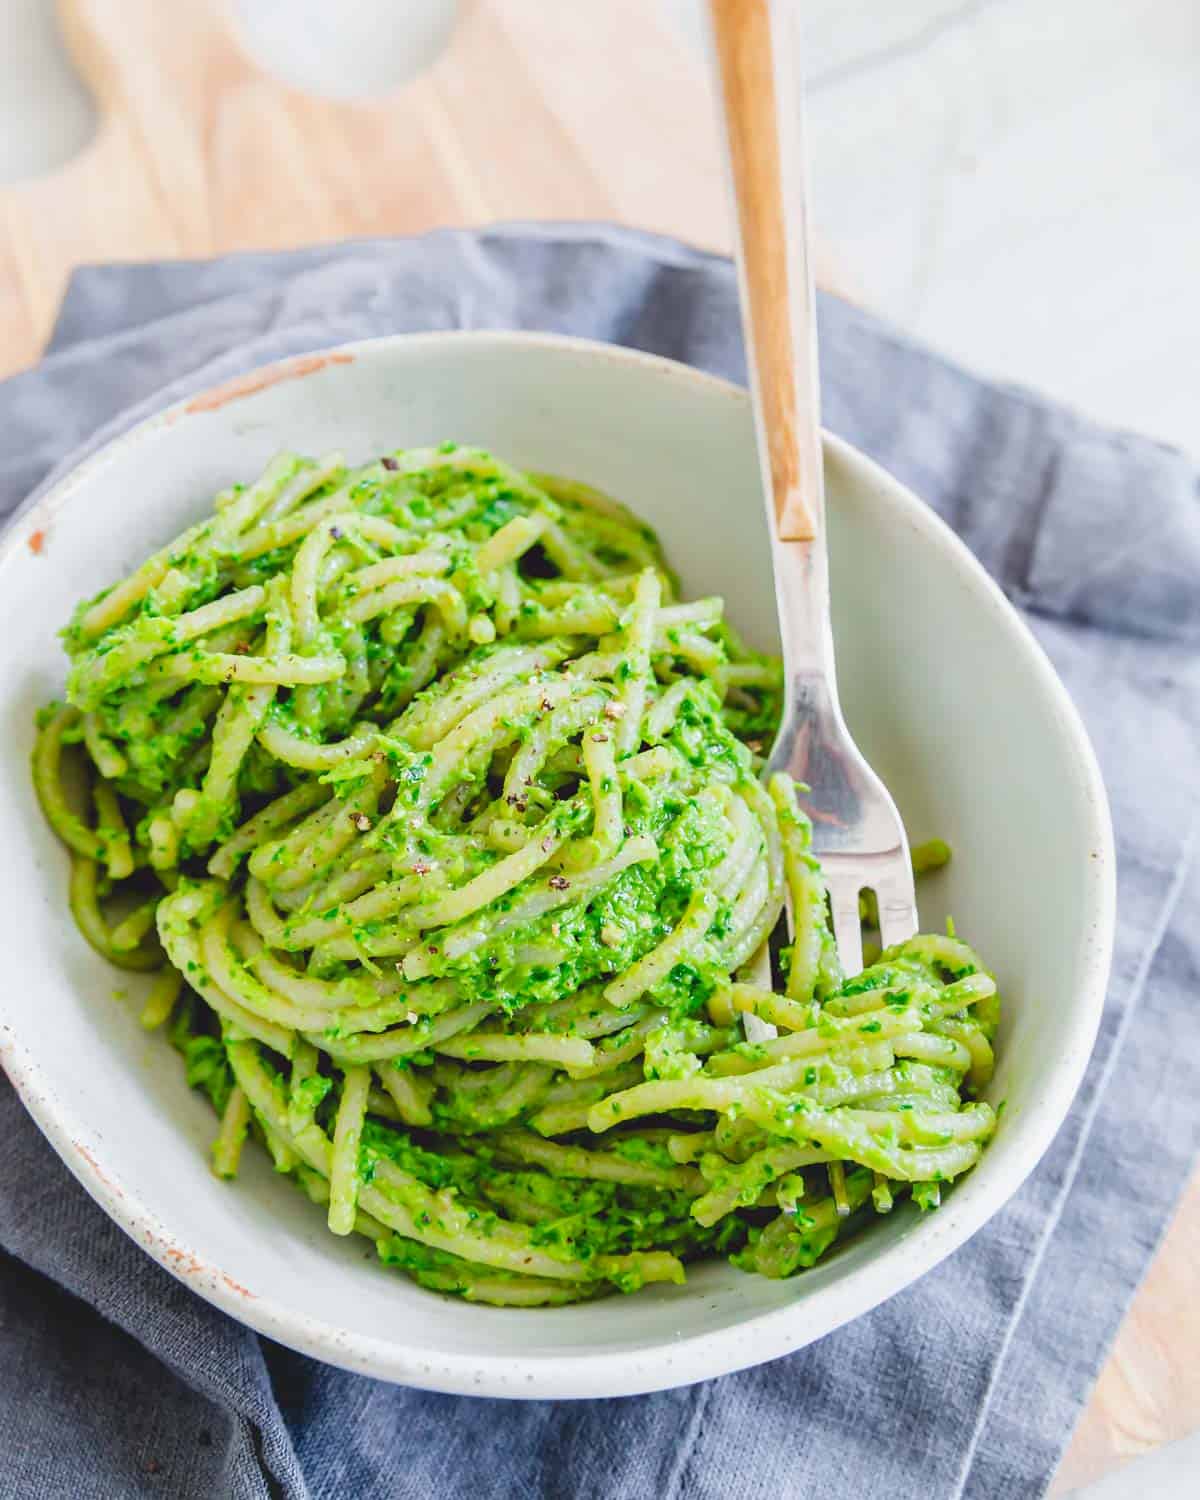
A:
{"x":117,"y":1381}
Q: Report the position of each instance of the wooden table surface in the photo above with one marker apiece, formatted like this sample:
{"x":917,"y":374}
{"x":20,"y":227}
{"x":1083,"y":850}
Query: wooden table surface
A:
{"x":535,"y":110}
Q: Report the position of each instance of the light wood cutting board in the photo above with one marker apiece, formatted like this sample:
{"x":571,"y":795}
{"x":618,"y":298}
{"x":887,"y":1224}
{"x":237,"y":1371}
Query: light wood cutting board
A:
{"x":536,"y":110}
{"x":199,"y":151}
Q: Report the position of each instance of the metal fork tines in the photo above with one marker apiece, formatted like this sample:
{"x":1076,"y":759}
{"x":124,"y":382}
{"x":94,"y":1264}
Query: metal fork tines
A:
{"x":858,"y":835}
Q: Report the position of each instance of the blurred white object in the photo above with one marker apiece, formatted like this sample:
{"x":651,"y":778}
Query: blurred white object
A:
{"x":349,"y":49}
{"x":46,"y":114}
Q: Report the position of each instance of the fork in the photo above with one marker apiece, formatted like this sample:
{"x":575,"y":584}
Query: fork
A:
{"x":858,"y":835}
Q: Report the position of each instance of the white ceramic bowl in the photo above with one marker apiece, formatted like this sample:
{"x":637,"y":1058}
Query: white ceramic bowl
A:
{"x":944,"y":688}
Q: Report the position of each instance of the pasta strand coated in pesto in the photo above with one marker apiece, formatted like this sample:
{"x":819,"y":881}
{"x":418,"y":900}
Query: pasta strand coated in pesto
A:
{"x":435,"y":817}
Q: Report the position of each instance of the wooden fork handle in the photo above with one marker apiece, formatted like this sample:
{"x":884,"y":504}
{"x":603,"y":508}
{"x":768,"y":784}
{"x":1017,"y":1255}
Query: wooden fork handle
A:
{"x":757,"y":53}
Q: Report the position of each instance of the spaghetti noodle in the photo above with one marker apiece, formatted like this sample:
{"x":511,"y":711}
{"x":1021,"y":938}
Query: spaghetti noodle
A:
{"x":436,"y":814}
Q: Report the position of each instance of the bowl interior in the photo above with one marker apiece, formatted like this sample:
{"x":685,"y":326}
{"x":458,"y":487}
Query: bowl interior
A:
{"x":943,"y":689}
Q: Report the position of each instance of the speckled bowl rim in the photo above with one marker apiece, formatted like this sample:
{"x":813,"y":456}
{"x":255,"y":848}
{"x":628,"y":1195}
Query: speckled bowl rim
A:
{"x":684,"y":1359}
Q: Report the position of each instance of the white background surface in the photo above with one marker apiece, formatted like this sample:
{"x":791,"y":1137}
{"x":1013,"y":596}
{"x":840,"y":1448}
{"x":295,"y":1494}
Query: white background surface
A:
{"x":1018,"y":182}
{"x":1015,"y":181}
